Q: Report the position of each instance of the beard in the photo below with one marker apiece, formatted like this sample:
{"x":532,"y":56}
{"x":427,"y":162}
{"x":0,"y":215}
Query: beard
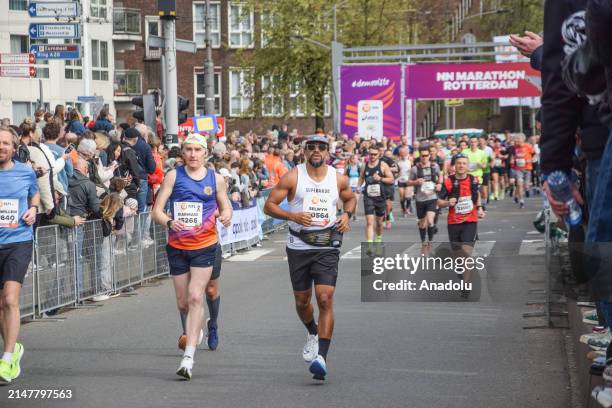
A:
{"x":316,"y":163}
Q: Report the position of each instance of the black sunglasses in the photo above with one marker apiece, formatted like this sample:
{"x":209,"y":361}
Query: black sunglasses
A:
{"x":322,"y":147}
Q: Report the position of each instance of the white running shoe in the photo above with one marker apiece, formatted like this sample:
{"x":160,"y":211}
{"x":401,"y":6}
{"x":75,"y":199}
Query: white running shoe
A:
{"x":311,"y":348}
{"x":185,"y":368}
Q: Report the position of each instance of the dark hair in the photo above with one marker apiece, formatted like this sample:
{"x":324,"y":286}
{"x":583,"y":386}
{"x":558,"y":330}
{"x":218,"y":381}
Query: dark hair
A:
{"x":51,"y":131}
{"x":110,"y":151}
{"x":74,"y":115}
{"x":103,"y":114}
{"x":26,"y":127}
{"x":424,"y":149}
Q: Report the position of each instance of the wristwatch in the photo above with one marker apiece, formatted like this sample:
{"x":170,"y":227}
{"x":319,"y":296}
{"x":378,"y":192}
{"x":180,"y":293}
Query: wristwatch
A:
{"x":169,"y":223}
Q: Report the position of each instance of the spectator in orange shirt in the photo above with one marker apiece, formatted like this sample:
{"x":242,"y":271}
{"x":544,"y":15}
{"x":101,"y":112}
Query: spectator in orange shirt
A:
{"x":275,"y":166}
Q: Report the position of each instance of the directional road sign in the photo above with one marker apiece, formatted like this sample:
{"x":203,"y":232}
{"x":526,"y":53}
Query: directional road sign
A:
{"x":56,"y":51}
{"x":55,"y":30}
{"x":17,"y":59}
{"x":181,"y":45}
{"x":54,"y":9}
{"x":17,"y":71}
{"x":88,"y":99}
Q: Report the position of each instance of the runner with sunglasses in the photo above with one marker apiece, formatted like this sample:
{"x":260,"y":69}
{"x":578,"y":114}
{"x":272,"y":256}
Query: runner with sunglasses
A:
{"x":374,"y":174}
{"x":315,"y":236}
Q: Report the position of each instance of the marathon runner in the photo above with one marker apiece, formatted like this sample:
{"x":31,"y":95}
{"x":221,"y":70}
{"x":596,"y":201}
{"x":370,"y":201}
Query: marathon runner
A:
{"x":19,"y":200}
{"x":498,"y":170}
{"x":195,"y":193}
{"x":478,"y":161}
{"x":521,"y":168}
{"x":314,"y":239}
{"x":353,"y":170}
{"x":486,"y":172}
{"x":425,"y":177}
{"x":436,"y":157}
{"x":406,"y":192}
{"x":373,"y":174}
{"x":460,"y":193}
{"x":389,"y":188}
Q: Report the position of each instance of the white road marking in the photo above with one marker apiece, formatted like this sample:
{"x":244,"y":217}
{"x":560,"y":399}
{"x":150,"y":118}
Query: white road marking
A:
{"x":534,"y":233}
{"x":483,"y":248}
{"x":354,"y":253}
{"x":530,"y":247}
{"x":250,"y":256}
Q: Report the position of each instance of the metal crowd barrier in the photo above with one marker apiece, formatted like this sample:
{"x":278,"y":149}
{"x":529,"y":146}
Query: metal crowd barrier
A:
{"x":73,"y":265}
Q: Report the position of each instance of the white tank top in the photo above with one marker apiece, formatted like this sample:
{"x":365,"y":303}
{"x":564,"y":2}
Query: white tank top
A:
{"x":319,"y":199}
{"x":404,"y":170}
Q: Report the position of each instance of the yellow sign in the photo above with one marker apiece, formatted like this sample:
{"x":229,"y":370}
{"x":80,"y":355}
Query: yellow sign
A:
{"x":205,"y":124}
{"x":453,"y":103}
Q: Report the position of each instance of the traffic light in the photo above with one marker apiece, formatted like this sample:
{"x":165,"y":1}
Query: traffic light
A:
{"x":139,"y":114}
{"x":183,"y":104}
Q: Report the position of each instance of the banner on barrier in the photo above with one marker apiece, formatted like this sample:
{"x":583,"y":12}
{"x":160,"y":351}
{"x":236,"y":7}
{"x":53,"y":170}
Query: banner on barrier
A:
{"x":245,"y":226}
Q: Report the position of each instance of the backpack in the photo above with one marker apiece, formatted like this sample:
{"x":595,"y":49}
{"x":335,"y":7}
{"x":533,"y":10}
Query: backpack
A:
{"x":435,"y":172}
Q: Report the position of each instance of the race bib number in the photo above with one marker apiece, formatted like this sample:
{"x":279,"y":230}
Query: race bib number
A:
{"x":319,"y":206}
{"x":498,"y":162}
{"x":520,"y":162}
{"x":428,"y":187}
{"x":353,"y":182}
{"x":472,"y":166}
{"x":340,"y":170}
{"x":464,"y":205}
{"x":189,"y":213}
{"x":373,"y":190}
{"x":9,"y":213}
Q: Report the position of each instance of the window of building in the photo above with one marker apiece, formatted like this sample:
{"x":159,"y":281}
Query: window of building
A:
{"x":199,"y":23}
{"x":200,"y":95}
{"x":152,"y":27}
{"x":18,"y":5}
{"x":267,"y":23}
{"x":98,"y":8}
{"x":240,"y":93}
{"x":272,"y":101}
{"x":22,"y":110}
{"x":19,"y":44}
{"x":99,"y":60}
{"x":297,"y":101}
{"x":73,"y":68}
{"x":240,"y":26}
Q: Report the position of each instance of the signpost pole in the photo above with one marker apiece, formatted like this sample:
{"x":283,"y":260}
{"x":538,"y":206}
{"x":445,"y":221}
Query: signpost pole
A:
{"x":85,"y":58}
{"x":336,"y":61}
{"x":454,"y":118}
{"x":41,"y":102}
{"x":447,"y":116}
{"x":169,"y":23}
{"x":209,"y":69}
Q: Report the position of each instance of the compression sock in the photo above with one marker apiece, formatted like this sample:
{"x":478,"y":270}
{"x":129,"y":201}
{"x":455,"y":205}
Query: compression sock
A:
{"x":422,"y":232}
{"x":403,"y":204}
{"x":430,"y":233}
{"x":213,"y":309}
{"x":324,"y":347}
{"x":184,"y":321}
{"x":378,"y":238}
{"x":312,"y":328}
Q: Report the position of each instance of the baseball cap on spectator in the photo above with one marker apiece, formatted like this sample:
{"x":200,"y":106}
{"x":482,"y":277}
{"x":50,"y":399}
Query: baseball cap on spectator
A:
{"x":131,"y":133}
{"x":87,"y":147}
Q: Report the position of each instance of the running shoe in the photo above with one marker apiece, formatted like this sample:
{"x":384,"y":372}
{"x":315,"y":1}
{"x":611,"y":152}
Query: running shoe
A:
{"x":585,"y":338}
{"x":590,"y":317}
{"x":521,"y":204}
{"x":603,"y":395}
{"x":600,"y":343}
{"x":213,"y":337}
{"x":182,"y":341}
{"x":527,"y":193}
{"x":17,"y":354}
{"x":318,"y":368}
{"x":311,"y":348}
{"x":391,"y":217}
{"x":516,"y":200}
{"x":6,"y":371}
{"x":388,"y":225}
{"x":185,"y":368}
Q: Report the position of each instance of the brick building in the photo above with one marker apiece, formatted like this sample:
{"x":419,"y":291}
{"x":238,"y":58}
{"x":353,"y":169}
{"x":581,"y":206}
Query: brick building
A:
{"x":137,"y":65}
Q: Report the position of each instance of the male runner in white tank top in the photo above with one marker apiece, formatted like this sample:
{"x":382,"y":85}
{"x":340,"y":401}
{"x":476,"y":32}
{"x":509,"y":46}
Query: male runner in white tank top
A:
{"x":313,"y":189}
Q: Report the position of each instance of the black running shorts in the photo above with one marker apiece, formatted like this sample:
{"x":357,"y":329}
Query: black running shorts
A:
{"x":402,"y":185}
{"x":374,"y":206}
{"x":499,"y":170}
{"x":180,"y":260}
{"x":14,"y":261}
{"x":486,"y":177}
{"x":423,"y":207}
{"x":462,"y":234}
{"x":312,"y":265}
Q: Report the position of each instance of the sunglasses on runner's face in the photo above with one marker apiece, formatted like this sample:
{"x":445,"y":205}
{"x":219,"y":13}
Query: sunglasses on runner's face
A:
{"x":322,"y":147}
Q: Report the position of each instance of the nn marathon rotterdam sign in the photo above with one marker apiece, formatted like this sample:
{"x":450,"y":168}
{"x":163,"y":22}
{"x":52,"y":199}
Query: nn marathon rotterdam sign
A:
{"x":472,"y":81}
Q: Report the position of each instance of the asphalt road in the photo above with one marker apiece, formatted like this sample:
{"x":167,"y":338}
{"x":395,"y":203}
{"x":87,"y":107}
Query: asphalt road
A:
{"x":399,"y":354}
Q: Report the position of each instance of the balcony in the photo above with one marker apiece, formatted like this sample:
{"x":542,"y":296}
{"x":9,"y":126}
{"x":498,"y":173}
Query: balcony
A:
{"x":126,"y":24}
{"x":153,"y":53}
{"x":128,"y":83}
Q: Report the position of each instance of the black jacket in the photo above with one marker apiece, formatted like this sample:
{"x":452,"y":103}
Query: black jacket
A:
{"x":128,"y":166}
{"x":83,"y":200}
{"x":563,"y":112}
{"x":145,"y":158}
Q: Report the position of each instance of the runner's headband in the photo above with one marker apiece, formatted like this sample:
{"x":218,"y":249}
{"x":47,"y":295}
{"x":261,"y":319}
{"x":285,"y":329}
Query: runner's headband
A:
{"x":194,"y":138}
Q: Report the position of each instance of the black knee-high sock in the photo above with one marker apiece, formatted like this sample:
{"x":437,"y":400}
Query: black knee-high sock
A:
{"x":409,"y":203}
{"x":430,"y":233}
{"x":324,"y":347}
{"x":436,"y":218}
{"x":422,"y":232}
{"x":213,"y":309}
{"x":312,"y":328}
{"x":403,"y":204}
{"x":184,"y":321}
